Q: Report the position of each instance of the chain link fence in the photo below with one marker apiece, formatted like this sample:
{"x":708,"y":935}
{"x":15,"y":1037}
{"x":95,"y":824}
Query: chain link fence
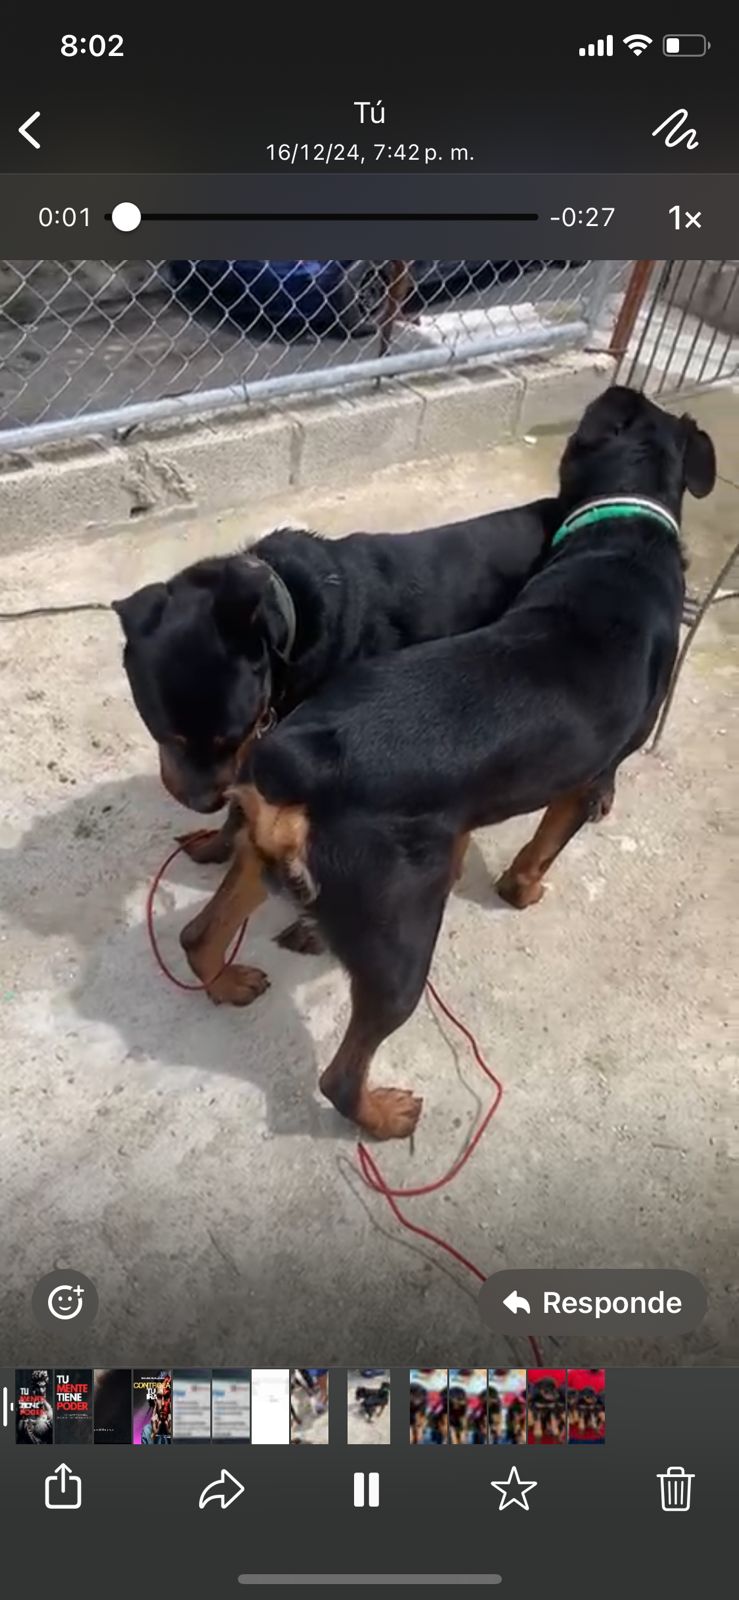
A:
{"x":679,"y":326}
{"x":92,"y":347}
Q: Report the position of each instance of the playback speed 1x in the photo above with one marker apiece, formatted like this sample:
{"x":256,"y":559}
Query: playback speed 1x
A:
{"x":323,"y":154}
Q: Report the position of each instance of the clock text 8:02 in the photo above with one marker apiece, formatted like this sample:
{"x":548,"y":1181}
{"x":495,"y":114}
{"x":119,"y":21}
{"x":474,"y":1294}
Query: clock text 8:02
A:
{"x":69,"y":217}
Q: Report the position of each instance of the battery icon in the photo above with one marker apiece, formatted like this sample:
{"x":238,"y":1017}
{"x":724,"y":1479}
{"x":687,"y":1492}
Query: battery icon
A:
{"x":685,"y":44}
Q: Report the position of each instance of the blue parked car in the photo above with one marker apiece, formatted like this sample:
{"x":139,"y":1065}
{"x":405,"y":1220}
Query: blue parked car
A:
{"x":325,"y":296}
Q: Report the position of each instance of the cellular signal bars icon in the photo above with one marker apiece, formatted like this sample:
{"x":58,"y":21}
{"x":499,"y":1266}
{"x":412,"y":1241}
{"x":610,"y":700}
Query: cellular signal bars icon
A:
{"x":602,"y":47}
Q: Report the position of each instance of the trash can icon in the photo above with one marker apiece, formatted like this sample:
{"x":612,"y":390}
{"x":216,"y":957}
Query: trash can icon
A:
{"x":675,"y":1488}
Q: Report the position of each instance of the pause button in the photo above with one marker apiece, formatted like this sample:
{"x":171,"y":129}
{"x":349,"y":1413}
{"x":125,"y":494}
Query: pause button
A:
{"x":369,"y":1488}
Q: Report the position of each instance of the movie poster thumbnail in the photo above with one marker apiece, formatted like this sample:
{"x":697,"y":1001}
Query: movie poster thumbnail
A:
{"x":191,"y":1405}
{"x":368,"y":1405}
{"x":111,"y":1403}
{"x":73,"y":1406}
{"x":507,"y":1405}
{"x":309,"y":1405}
{"x":586,"y":1405}
{"x":428,"y":1405}
{"x":468,"y":1405}
{"x":231,"y":1418}
{"x":34,"y":1413}
{"x":547,"y":1405}
{"x":152,"y":1407}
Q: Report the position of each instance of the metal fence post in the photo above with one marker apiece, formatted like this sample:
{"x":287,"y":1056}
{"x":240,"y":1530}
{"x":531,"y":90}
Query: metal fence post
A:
{"x":604,"y":275}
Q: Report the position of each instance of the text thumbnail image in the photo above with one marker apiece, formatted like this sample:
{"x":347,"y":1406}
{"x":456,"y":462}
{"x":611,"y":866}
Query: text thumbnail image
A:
{"x":270,"y":1405}
{"x":468,"y":1405}
{"x":547,"y":1405}
{"x":309,"y":1405}
{"x":232,"y":1404}
{"x":33,"y":1408}
{"x":428,"y":1405}
{"x":507,"y":1405}
{"x":586,"y":1405}
{"x":73,"y":1406}
{"x":368,"y":1405}
{"x":190,"y":1406}
{"x":112,"y":1405}
{"x":152,"y":1407}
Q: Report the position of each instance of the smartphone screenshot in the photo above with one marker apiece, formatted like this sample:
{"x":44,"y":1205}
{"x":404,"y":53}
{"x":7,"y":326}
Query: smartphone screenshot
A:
{"x":369,"y":677}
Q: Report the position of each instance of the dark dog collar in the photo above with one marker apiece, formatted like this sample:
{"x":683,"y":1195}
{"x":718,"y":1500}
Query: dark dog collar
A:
{"x":605,"y":509}
{"x":285,"y":605}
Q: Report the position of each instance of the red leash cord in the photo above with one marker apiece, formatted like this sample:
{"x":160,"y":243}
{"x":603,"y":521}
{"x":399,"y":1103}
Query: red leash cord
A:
{"x":367,"y":1165}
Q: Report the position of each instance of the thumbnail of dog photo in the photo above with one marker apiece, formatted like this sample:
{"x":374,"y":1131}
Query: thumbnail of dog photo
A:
{"x":547,"y":1405}
{"x":152,"y":1407}
{"x":111,"y":1406}
{"x":368,"y":1405}
{"x":586,"y":1405}
{"x":507,"y":1405}
{"x":73,"y":1406}
{"x":428,"y":1405}
{"x":468,"y":1405}
{"x":33,"y":1409}
{"x":309,"y":1405}
{"x":190,"y":1406}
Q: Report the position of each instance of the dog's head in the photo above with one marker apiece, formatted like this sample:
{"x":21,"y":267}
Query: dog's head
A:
{"x":199,"y":655}
{"x":625,"y":444}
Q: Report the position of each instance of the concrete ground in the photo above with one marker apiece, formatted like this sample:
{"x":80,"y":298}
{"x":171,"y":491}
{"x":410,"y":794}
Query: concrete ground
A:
{"x":182,"y":1156}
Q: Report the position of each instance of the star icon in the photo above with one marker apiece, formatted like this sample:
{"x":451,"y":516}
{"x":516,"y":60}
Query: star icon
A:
{"x":507,"y":1486}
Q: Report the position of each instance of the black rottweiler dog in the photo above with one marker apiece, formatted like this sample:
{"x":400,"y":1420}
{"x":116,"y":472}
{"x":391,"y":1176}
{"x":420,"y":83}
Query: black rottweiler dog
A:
{"x":232,"y":644}
{"x":360,"y":804}
{"x":373,"y":1401}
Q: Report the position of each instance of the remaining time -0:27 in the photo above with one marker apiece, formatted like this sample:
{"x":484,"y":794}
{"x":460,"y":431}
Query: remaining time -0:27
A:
{"x":584,"y":216}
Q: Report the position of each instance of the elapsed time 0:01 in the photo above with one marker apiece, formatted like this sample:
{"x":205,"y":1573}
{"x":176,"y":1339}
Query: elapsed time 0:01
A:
{"x":69,"y":217}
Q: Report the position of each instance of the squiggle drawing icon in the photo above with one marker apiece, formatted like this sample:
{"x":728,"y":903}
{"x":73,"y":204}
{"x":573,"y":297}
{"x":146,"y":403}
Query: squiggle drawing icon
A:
{"x":674,"y":122}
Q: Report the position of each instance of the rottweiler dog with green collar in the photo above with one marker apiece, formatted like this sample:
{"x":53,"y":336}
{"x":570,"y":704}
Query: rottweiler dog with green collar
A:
{"x":360,"y":803}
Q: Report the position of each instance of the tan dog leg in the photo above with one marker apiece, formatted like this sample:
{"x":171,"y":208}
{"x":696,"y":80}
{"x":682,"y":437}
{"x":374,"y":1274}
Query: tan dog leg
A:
{"x":521,"y":885}
{"x":206,"y":939}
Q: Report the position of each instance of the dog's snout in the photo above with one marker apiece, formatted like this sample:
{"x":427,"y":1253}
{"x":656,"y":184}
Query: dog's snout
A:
{"x":186,"y":786}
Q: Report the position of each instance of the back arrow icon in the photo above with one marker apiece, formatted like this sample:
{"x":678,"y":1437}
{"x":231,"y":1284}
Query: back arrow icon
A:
{"x":24,"y":127}
{"x":220,"y":1489}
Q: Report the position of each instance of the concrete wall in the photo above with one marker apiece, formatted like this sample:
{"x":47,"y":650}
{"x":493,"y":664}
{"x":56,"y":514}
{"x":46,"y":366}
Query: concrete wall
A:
{"x":215,"y":464}
{"x":710,"y":289}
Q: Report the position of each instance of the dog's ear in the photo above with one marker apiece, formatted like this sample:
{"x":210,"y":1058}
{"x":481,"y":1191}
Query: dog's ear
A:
{"x":239,"y":604}
{"x":699,"y":458}
{"x":140,"y":612}
{"x":247,"y":612}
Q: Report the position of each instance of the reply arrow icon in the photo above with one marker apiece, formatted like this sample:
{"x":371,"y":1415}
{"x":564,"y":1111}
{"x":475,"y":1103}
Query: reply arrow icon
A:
{"x":516,"y":1302}
{"x":225,"y":1489}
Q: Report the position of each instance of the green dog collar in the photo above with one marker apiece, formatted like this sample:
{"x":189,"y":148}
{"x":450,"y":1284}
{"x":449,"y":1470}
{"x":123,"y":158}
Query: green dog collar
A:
{"x":604,"y":510}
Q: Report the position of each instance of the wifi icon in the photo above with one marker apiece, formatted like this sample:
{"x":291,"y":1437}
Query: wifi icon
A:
{"x":637,"y":43}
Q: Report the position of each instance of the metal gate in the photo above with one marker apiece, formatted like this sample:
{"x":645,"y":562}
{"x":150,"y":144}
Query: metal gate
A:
{"x":678,"y":328}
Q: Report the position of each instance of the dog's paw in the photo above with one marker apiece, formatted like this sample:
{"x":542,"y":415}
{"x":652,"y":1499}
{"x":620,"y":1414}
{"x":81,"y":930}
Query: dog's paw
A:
{"x":206,"y":848}
{"x":237,"y":986}
{"x":389,"y":1113}
{"x":302,"y":937}
{"x":519,"y":892}
{"x":601,"y":806}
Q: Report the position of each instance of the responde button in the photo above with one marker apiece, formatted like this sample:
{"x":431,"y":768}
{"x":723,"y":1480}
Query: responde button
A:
{"x":633,"y":1302}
